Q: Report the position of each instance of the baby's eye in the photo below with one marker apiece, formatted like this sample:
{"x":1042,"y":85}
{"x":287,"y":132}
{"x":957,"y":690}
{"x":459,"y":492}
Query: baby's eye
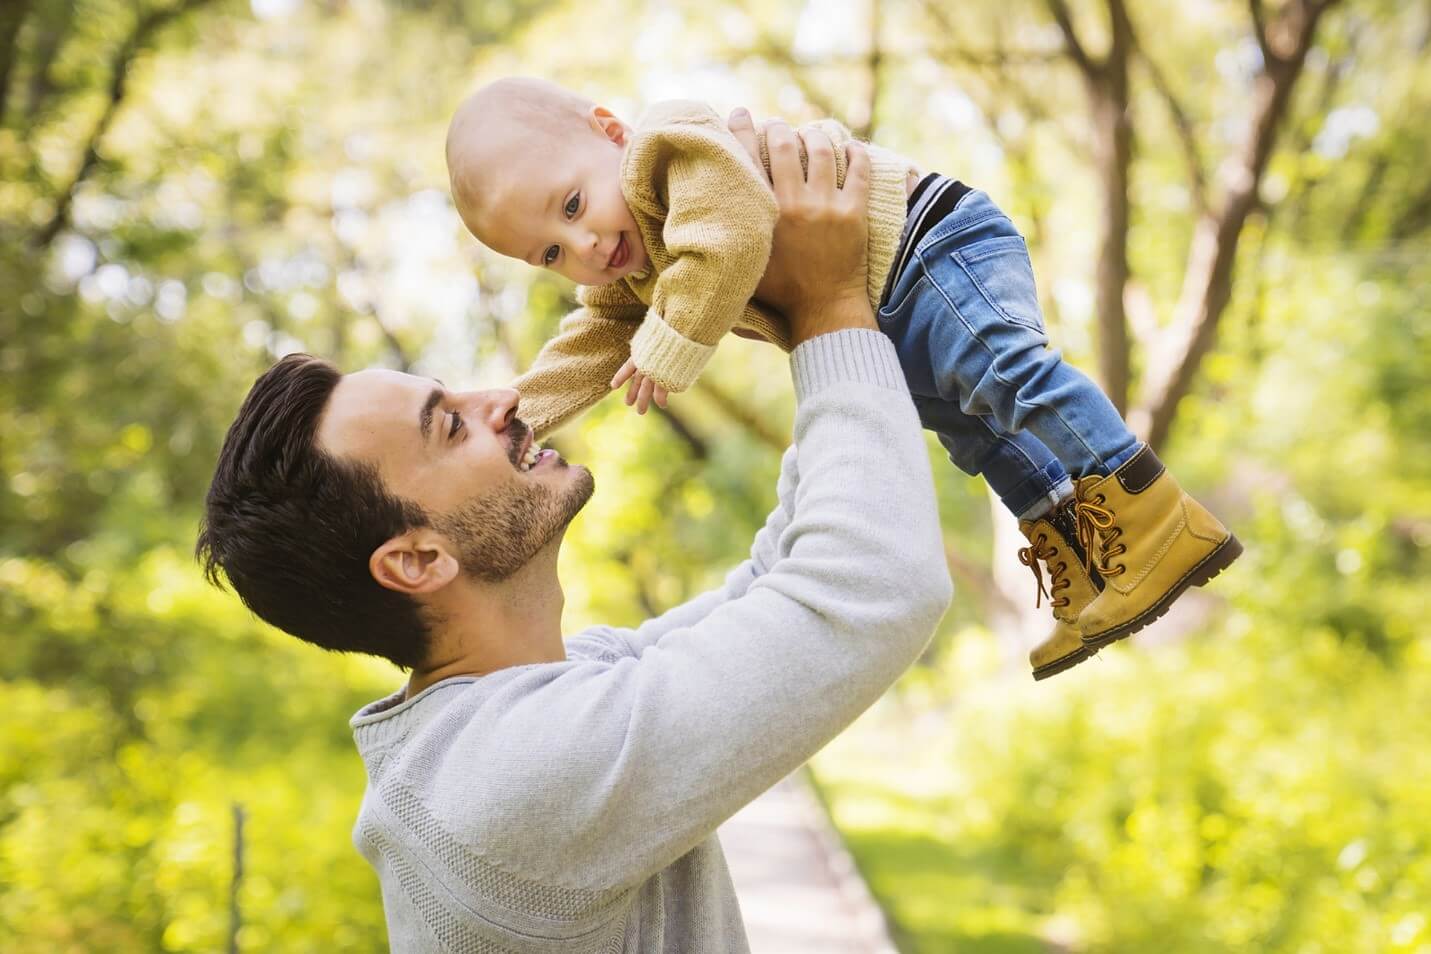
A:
{"x":572,"y":205}
{"x":550,"y":255}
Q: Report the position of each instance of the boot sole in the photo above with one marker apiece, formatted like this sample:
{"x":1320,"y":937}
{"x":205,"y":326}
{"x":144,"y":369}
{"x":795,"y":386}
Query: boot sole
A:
{"x":1063,"y":663}
{"x":1203,"y":572}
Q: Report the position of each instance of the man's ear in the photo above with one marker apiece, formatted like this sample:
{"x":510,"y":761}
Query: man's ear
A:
{"x":418,"y":561}
{"x":604,"y":121}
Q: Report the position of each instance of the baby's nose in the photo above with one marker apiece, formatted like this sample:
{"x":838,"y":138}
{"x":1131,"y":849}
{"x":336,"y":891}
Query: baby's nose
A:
{"x":593,"y":251}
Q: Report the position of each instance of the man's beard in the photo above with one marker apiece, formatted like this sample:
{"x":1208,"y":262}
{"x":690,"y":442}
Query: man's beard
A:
{"x":498,"y":532}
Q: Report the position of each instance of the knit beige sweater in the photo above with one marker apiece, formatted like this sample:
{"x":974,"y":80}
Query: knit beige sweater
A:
{"x":706,"y":217}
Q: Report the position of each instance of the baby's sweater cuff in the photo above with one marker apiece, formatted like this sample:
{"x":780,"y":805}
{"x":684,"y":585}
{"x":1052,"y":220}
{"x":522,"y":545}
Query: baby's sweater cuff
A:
{"x":666,"y":356}
{"x":853,"y":355}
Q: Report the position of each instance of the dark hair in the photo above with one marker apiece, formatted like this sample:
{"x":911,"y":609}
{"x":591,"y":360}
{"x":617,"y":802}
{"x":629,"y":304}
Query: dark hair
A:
{"x":292,"y":528}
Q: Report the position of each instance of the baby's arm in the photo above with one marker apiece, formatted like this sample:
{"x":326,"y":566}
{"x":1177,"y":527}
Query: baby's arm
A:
{"x":572,"y":371}
{"x":719,"y":219}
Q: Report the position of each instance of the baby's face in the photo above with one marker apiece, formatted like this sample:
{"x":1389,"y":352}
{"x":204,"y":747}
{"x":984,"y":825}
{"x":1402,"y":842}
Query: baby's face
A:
{"x":561,"y":208}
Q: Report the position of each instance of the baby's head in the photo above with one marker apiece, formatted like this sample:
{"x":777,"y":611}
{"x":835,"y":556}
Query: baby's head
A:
{"x":536,"y":175}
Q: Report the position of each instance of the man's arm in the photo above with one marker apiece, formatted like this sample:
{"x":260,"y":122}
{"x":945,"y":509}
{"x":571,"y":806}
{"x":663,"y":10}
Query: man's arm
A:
{"x":597,"y":774}
{"x":634,"y":763}
{"x":798,"y":281}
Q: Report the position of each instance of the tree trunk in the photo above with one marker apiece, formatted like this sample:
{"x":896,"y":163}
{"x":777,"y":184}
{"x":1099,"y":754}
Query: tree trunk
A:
{"x":1114,"y":153}
{"x":12,"y":16}
{"x":1105,"y":80}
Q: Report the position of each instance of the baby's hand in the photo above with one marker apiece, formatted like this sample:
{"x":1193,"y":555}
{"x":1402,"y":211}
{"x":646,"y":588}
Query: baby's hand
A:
{"x":641,"y":390}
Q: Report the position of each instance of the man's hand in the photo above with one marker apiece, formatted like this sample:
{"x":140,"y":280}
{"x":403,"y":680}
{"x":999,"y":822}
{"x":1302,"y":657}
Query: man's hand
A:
{"x":642,"y":390}
{"x":818,"y":266}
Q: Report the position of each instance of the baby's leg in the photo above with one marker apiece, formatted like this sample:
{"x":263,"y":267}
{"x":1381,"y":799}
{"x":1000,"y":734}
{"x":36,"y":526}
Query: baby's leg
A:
{"x":1018,"y":467}
{"x":965,"y":319}
{"x":969,"y":330}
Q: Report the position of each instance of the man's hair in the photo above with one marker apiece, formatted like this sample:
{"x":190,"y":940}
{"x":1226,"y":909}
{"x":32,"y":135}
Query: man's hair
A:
{"x":292,"y":528}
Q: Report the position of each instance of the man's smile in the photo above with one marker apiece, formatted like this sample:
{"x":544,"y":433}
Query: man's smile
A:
{"x":525,"y":454}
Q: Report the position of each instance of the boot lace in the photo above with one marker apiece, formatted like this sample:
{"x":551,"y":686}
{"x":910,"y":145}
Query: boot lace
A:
{"x":1096,"y":523}
{"x":1042,"y":550}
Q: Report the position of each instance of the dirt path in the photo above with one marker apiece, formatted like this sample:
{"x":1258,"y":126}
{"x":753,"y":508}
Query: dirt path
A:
{"x":798,"y":889}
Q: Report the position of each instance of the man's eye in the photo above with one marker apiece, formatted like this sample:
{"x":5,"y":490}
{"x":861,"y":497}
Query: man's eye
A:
{"x":572,"y":205}
{"x":550,"y":255}
{"x":456,"y":425}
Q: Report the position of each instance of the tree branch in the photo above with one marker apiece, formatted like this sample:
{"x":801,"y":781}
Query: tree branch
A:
{"x":49,"y":32}
{"x":12,"y":17}
{"x":755,"y":425}
{"x":1059,"y":10}
{"x":1415,"y":216}
{"x":998,"y":59}
{"x":772,"y":49}
{"x":395,"y":345}
{"x":129,"y":50}
{"x":693,"y":441}
{"x":1259,"y":31}
{"x":977,"y":579}
{"x":1182,"y":124}
{"x":1207,"y":283}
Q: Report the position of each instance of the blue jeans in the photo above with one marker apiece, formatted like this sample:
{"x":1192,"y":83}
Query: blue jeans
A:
{"x":965,"y":320}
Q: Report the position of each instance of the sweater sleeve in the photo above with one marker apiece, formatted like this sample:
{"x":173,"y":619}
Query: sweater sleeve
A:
{"x":573,"y":370}
{"x":719,"y":219}
{"x":630,"y":764}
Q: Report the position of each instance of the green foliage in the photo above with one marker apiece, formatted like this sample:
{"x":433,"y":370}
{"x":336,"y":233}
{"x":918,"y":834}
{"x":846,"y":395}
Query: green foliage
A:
{"x":268,"y":176}
{"x":142,"y":706}
{"x":1253,"y":790}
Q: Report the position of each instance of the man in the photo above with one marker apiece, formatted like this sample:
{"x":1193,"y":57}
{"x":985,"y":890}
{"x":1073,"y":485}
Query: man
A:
{"x":525,"y":795}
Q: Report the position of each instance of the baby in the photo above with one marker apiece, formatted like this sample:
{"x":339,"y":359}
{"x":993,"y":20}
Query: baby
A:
{"x":667,"y":228}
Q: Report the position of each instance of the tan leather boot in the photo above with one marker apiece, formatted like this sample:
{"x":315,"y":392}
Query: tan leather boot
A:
{"x":1053,"y":542}
{"x":1148,"y":541}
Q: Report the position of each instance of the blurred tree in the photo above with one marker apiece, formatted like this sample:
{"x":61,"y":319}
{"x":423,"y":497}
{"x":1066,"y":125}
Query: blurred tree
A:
{"x":190,"y":188}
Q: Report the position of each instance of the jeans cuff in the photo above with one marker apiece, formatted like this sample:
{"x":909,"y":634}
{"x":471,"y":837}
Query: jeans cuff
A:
{"x":1039,"y":493}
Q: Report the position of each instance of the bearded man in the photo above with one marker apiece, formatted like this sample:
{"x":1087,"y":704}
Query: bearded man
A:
{"x":530,"y":794}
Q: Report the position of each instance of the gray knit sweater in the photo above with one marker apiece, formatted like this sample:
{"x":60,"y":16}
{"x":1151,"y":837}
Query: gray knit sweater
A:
{"x":572,"y":806}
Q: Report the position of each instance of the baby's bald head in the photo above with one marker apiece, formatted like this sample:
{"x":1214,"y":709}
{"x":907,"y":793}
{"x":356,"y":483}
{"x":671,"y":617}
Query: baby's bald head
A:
{"x":504,"y":125}
{"x":536,"y":175}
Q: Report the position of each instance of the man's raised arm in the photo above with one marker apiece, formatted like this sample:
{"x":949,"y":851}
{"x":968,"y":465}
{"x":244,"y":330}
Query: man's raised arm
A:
{"x":643,"y":758}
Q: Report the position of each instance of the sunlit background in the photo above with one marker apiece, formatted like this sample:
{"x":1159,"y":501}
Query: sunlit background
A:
{"x":1228,"y":206}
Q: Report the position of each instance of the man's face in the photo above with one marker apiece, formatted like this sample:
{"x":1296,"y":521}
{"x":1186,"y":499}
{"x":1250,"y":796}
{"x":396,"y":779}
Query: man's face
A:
{"x":463,"y":457}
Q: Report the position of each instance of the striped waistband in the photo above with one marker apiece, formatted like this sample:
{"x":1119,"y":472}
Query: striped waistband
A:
{"x":932,"y":199}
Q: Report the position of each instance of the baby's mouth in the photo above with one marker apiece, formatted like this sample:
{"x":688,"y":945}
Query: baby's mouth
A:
{"x":620,"y":254}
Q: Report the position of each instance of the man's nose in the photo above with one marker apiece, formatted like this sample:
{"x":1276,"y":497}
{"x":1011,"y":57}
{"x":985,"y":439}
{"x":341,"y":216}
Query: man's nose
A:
{"x":497,"y":406}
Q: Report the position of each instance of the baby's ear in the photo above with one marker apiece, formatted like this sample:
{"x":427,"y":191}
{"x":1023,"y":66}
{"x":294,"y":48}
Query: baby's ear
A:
{"x":605,"y":122}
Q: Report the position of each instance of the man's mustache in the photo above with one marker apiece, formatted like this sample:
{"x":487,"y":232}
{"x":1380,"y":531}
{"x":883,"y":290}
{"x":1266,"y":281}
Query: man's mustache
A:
{"x":517,"y":432}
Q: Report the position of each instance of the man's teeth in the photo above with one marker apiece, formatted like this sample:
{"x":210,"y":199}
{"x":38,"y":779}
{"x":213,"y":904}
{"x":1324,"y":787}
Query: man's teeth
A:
{"x":529,"y":458}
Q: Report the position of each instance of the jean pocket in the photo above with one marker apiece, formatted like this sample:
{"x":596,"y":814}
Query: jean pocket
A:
{"x":905,"y":291}
{"x":1000,"y":270}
